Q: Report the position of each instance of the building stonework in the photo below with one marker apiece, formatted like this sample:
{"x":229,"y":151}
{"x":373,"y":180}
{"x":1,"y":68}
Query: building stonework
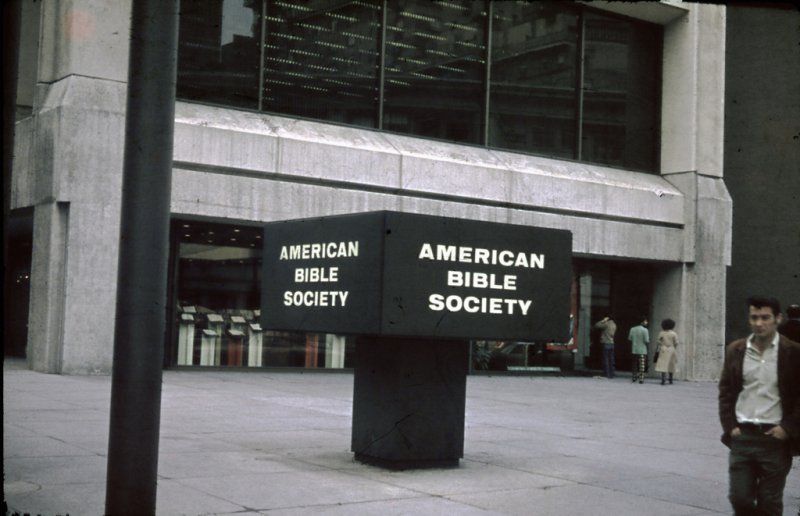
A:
{"x":248,"y":167}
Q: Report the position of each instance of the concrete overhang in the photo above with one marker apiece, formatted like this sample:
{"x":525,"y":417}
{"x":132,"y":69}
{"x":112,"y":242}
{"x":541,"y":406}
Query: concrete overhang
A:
{"x":661,"y":13}
{"x":238,"y":143}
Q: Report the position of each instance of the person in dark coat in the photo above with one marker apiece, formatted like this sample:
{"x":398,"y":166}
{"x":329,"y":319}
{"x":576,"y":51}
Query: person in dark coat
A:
{"x":759,"y":409}
{"x":791,"y":328}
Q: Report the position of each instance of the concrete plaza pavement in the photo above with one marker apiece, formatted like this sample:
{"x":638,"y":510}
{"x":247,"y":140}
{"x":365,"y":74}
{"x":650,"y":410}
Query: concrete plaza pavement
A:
{"x":261,"y":442}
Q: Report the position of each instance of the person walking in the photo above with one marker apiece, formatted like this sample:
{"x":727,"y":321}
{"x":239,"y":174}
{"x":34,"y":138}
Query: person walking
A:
{"x":609,"y":328}
{"x":791,"y":328}
{"x":639,"y":336}
{"x":759,"y":409}
{"x":667,"y":347}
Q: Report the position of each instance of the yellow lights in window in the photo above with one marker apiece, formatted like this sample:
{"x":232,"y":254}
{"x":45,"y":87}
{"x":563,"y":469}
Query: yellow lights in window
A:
{"x":450,"y":5}
{"x":286,"y":36}
{"x":344,"y":60}
{"x":281,"y":60}
{"x":336,"y":81}
{"x":276,"y":81}
{"x":296,"y":74}
{"x":319,"y":28}
{"x":330,"y":45}
{"x":284,"y":72}
{"x":359,"y":75}
{"x":416,"y":16}
{"x":323,"y":68}
{"x":461,"y":26}
{"x":276,"y":19}
{"x":412,"y":60}
{"x":357,"y":36}
{"x":422,"y":75}
{"x":367,"y":5}
{"x":296,"y":7}
{"x":400,"y":44}
{"x":434,"y":37}
{"x":399,"y":83}
{"x":304,"y":52}
{"x":470,"y":45}
{"x":439,"y":53}
{"x":314,"y":88}
{"x":451,"y":69}
{"x":338,"y":16}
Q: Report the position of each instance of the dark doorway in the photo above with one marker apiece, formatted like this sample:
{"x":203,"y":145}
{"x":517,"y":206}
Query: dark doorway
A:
{"x":17,"y":282}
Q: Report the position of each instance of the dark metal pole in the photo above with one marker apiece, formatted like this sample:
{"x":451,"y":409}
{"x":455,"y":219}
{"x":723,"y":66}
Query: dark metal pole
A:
{"x":11,"y":32}
{"x":142,"y":276}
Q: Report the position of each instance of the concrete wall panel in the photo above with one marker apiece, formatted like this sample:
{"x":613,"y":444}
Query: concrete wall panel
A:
{"x":23,"y":180}
{"x":48,"y":278}
{"x":91,"y":288}
{"x":215,"y":147}
{"x":84,"y":37}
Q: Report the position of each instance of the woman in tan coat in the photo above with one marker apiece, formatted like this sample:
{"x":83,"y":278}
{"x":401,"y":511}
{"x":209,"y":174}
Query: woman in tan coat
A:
{"x":667,"y":342}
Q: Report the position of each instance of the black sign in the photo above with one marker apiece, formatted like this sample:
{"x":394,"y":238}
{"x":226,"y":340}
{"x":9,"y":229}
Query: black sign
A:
{"x":389,"y":273}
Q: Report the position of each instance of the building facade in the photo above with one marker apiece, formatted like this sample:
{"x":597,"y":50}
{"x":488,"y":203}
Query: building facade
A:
{"x":762,"y":156}
{"x":605,"y":119}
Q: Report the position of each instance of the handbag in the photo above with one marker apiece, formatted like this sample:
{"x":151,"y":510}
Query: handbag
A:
{"x":655,"y":357}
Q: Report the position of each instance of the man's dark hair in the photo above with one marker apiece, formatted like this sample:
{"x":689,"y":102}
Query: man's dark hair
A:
{"x":793,"y":311}
{"x":762,"y":302}
{"x":667,"y":324}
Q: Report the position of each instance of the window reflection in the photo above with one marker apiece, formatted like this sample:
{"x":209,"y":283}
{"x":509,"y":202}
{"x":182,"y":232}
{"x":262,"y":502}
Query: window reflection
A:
{"x":435,"y":57}
{"x":321,"y":60}
{"x":533,"y":70}
{"x":621,"y":91}
{"x":218,"y":51}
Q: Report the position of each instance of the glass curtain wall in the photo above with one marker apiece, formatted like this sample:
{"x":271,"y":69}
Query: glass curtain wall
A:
{"x":216,"y":299}
{"x":534,"y":65}
{"x":435,"y":62}
{"x":219,"y":51}
{"x":551,"y":78}
{"x":620,"y":92}
{"x":322,"y":59}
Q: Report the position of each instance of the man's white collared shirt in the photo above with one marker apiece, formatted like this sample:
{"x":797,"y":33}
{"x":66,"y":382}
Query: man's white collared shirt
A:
{"x":760,"y":400}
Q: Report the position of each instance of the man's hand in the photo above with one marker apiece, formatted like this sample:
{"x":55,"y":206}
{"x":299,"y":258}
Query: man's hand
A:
{"x":736,"y":432}
{"x":777,"y":432}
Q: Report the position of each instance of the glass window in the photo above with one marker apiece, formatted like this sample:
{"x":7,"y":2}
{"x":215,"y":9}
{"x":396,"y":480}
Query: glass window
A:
{"x":434,"y":70}
{"x":218,"y":51}
{"x":533,"y":77}
{"x":621,"y":91}
{"x":563,"y":80}
{"x":321,"y":60}
{"x":216,"y":285}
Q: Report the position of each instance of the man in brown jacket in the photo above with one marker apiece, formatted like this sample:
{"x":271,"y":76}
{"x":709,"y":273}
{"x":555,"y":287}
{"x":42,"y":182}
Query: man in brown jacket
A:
{"x":759,"y":408}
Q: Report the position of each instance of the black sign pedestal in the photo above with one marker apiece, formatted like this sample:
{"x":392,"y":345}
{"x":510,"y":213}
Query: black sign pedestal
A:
{"x":408,"y":402}
{"x":415,"y":289}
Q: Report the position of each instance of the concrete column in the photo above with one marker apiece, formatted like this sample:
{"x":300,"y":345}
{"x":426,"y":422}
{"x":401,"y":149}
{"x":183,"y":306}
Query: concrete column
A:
{"x":48,"y":290}
{"x":693,"y":293}
{"x":77,"y":133}
{"x":584,"y":319}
